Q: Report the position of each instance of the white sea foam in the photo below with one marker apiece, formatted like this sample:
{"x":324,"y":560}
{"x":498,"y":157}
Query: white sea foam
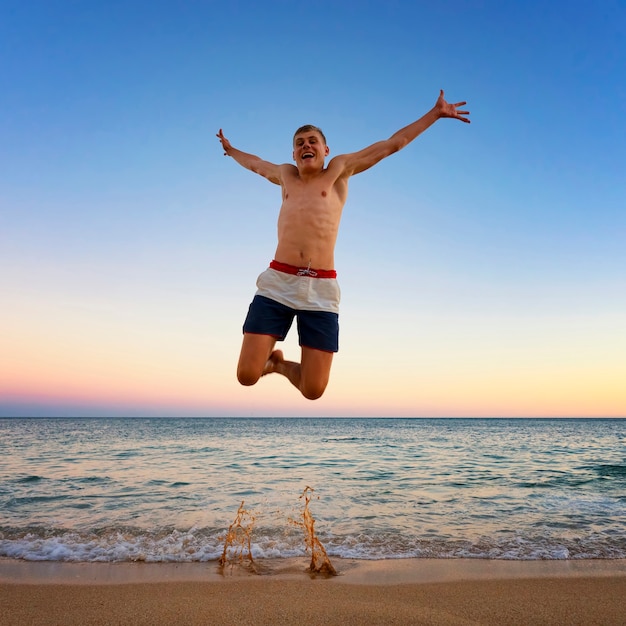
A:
{"x":200,"y":546}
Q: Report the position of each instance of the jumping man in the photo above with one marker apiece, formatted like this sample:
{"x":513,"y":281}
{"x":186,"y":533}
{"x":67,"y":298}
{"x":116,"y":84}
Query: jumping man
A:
{"x":301,"y":282}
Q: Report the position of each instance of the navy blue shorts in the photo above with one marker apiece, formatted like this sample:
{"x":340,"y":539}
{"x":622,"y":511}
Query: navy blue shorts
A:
{"x":316,"y":329}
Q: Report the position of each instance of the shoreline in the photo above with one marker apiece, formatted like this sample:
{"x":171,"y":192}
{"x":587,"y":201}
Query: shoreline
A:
{"x":439,"y":592}
{"x":349,"y":571}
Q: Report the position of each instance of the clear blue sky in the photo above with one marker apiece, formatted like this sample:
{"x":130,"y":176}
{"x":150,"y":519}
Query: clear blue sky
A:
{"x":482,"y":268}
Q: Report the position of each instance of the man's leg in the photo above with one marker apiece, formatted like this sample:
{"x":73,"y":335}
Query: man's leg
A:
{"x":267,"y":320}
{"x":255,"y":352}
{"x":310,"y":377}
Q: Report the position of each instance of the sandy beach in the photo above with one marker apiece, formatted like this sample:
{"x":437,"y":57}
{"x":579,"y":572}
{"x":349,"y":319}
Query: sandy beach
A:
{"x":408,"y":591}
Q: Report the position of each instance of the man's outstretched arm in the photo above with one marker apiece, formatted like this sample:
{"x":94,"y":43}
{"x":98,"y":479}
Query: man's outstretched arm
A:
{"x":364,"y":159}
{"x":255,"y":164}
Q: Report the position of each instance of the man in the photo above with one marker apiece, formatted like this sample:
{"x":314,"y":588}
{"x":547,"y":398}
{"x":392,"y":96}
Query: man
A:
{"x":301,"y":281}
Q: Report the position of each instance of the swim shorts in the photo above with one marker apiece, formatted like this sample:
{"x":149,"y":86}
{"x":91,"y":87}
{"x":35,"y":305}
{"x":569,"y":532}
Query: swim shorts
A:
{"x":311,"y":296}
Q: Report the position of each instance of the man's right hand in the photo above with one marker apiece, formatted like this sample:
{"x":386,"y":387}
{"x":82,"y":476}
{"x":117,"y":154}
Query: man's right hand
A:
{"x":225,"y":143}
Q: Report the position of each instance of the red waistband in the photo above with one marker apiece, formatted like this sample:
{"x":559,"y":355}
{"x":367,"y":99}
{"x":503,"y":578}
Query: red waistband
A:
{"x":302,"y":271}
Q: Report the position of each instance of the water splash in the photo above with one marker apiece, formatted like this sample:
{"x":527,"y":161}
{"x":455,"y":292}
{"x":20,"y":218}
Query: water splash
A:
{"x":320,"y":563}
{"x":238,"y":540}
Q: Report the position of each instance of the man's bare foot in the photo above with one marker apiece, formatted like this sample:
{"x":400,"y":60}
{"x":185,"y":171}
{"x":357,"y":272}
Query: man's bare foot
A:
{"x":275,"y":358}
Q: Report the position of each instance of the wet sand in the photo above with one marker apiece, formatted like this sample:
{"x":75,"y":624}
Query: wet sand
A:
{"x":414,"y":591}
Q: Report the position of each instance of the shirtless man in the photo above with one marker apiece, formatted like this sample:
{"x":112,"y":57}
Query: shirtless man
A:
{"x":300,"y":281}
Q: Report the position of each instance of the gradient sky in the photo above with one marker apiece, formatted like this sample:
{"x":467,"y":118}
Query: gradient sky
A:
{"x":483,"y":268}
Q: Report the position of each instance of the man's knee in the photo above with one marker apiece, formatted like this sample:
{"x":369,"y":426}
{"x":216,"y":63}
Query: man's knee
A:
{"x":247,"y":377}
{"x":313,"y":391}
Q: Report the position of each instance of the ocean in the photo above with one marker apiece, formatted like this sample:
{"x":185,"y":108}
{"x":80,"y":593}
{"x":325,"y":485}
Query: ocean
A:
{"x":167,"y":490}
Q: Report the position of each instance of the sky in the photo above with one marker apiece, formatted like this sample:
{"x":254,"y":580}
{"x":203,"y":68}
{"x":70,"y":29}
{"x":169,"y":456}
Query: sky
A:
{"x":482,"y":268}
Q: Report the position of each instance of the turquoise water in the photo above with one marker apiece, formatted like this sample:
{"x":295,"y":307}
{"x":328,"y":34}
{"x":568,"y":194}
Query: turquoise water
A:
{"x":167,"y":489}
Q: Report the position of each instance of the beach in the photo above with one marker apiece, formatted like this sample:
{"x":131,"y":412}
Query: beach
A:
{"x":407,"y":591}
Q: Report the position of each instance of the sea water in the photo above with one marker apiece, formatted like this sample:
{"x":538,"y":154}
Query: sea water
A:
{"x":167,"y":490}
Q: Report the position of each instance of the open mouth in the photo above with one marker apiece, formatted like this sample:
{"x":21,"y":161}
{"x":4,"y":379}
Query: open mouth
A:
{"x":308,"y":155}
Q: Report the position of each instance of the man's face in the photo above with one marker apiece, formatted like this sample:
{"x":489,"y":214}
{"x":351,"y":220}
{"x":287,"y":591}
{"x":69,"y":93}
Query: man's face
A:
{"x":309,"y":150}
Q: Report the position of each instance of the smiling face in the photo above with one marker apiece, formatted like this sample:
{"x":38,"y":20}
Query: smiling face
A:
{"x":309,"y":149}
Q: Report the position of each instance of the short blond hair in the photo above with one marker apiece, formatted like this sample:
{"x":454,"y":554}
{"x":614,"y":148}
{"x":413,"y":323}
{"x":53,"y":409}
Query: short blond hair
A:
{"x":308,"y":128}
